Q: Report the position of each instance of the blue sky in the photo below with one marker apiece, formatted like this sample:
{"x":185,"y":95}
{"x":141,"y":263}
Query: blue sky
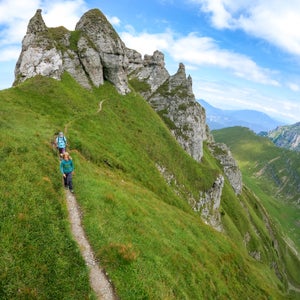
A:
{"x":241,"y":54}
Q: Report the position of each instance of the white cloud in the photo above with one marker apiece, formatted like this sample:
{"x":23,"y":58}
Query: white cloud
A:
{"x":146,"y":43}
{"x":10,"y":53}
{"x":275,"y":21}
{"x":115,"y":21}
{"x":15,"y":15}
{"x":293,"y":86}
{"x":16,"y":10}
{"x":63,"y":13}
{"x":13,"y":24}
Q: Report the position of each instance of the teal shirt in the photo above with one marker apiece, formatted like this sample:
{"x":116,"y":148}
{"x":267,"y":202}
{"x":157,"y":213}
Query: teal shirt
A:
{"x":66,"y":166}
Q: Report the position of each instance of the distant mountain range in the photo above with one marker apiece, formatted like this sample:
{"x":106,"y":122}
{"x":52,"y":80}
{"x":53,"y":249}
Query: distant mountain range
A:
{"x":257,"y":121}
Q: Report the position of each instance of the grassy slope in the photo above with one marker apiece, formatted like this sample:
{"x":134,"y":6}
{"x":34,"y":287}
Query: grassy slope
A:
{"x":272,"y":173}
{"x":144,"y":233}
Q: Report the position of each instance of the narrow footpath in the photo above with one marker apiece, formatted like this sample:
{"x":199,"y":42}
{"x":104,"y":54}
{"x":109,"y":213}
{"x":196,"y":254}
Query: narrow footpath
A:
{"x":99,"y":281}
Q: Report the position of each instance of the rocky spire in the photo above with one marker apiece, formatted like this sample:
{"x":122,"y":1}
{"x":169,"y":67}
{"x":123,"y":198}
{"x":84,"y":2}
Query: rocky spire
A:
{"x":39,"y":55}
{"x":108,"y":44}
{"x":36,"y":23}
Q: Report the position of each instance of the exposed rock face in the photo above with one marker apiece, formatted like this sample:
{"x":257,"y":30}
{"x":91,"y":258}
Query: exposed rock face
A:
{"x":209,"y":204}
{"x":92,"y":53}
{"x":109,"y":46}
{"x":135,"y":60}
{"x":287,"y":136}
{"x":231,"y":169}
{"x":172,"y":97}
{"x":39,"y":55}
{"x":152,"y":71}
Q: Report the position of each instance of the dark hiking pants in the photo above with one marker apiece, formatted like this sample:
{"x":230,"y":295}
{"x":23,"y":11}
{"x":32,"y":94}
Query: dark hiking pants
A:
{"x":68,"y":181}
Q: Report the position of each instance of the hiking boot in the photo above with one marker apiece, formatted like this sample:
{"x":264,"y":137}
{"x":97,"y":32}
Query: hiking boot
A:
{"x":72,"y":191}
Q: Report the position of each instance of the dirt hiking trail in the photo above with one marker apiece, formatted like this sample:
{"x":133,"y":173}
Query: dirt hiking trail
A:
{"x":99,"y":281}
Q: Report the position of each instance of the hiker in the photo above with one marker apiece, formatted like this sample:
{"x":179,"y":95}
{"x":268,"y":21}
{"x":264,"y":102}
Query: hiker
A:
{"x":61,"y":143}
{"x":67,"y":169}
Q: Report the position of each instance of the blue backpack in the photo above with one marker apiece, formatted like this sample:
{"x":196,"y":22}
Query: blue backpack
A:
{"x":61,"y":142}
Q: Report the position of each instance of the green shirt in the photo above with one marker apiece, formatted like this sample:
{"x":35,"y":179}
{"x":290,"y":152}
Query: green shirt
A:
{"x":66,"y":166}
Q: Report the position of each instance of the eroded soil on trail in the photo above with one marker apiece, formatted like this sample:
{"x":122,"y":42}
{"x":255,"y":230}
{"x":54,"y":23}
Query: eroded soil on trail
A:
{"x":98,"y":278}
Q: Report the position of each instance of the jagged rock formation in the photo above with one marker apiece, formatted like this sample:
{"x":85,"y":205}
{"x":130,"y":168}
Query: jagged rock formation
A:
{"x":39,"y":54}
{"x":91,"y":54}
{"x":231,"y":169}
{"x":172,"y":97}
{"x":108,"y":45}
{"x":94,"y":53}
{"x":150,"y":70}
{"x":209,"y":204}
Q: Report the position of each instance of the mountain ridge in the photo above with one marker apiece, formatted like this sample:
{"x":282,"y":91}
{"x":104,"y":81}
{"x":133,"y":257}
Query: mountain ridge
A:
{"x":149,"y":175}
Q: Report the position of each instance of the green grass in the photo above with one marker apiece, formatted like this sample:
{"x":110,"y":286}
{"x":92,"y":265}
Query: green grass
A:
{"x":39,"y":259}
{"x":273,"y":174}
{"x":142,"y":230}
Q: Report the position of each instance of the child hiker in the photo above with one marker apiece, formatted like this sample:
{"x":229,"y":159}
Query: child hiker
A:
{"x":61,"y":143}
{"x":67,"y":168}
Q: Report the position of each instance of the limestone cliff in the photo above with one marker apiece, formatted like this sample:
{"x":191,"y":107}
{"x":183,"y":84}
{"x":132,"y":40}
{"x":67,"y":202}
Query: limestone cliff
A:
{"x":172,"y":97}
{"x":39,"y":53}
{"x":230,"y":167}
{"x":91,"y":54}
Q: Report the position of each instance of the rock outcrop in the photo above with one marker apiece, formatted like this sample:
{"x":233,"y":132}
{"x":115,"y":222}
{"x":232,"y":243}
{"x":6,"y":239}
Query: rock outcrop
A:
{"x":39,"y":54}
{"x":172,"y":97}
{"x":222,"y":153}
{"x":209,"y":203}
{"x":91,"y":54}
{"x":287,"y":136}
{"x":108,"y":45}
{"x":94,"y":52}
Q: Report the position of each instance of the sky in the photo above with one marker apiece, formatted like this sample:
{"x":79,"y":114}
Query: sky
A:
{"x":241,"y":54}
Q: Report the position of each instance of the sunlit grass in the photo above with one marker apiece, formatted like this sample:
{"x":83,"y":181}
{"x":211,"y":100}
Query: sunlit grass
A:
{"x":142,"y":230}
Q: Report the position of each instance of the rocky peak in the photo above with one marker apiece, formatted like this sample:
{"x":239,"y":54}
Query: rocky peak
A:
{"x":150,"y":71}
{"x":96,"y":52}
{"x":172,"y":97}
{"x":180,"y":75}
{"x":108,"y":44}
{"x":157,"y":59}
{"x":180,"y":80}
{"x":36,"y":23}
